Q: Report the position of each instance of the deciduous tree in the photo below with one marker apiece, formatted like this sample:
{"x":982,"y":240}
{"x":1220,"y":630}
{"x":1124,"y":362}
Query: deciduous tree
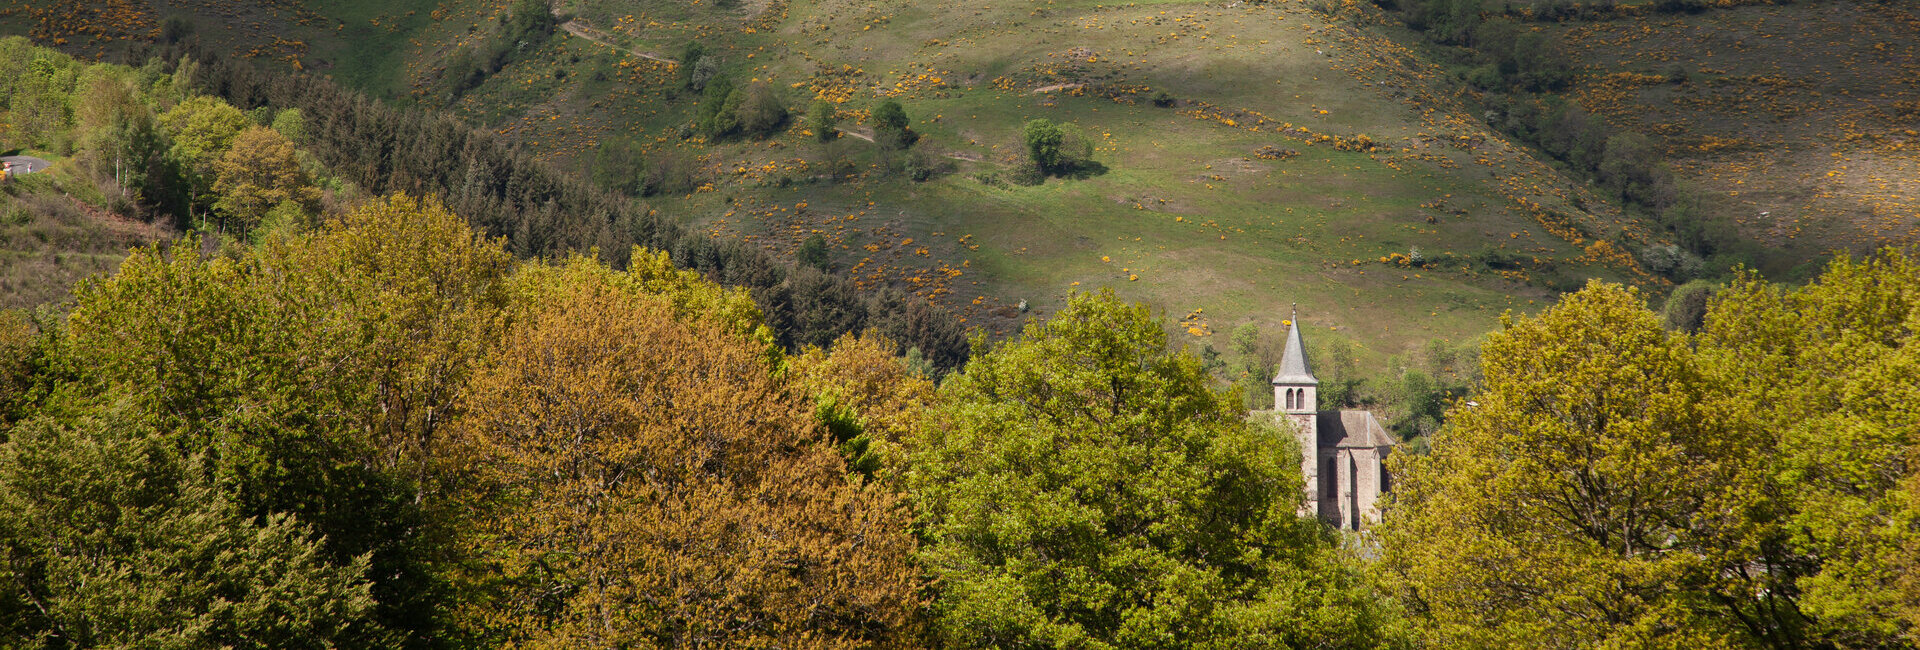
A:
{"x":112,"y":539}
{"x":1043,"y":139}
{"x":867,"y":397}
{"x":655,"y":484}
{"x":258,"y":172}
{"x":200,"y":130}
{"x":1830,"y":372}
{"x":318,"y":369}
{"x":1083,"y":487}
{"x":1598,"y":492}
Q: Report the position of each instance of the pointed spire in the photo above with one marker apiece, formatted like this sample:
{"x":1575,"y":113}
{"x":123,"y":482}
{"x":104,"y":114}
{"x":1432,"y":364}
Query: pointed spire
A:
{"x":1293,"y":362}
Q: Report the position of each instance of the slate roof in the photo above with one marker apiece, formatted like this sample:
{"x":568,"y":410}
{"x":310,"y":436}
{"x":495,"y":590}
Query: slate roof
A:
{"x":1352,"y":429}
{"x":1293,"y":362}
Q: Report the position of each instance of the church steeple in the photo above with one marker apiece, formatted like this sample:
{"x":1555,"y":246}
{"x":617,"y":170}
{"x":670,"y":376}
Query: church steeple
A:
{"x":1294,"y":386}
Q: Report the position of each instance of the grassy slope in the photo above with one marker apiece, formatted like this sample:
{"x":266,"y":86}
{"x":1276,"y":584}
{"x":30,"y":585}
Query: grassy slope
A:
{"x":1185,"y":205}
{"x":1798,"y":120}
{"x":1186,"y":216}
{"x":49,"y":241}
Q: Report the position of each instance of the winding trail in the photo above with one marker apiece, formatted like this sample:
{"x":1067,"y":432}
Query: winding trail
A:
{"x":582,"y":30}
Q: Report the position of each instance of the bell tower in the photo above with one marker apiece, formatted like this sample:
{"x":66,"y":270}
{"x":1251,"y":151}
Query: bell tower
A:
{"x":1295,"y":395}
{"x":1294,"y":387}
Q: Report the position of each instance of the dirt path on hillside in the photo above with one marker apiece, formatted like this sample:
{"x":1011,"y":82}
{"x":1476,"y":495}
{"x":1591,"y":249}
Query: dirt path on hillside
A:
{"x":582,"y":30}
{"x":955,"y":156}
{"x":1048,"y":89}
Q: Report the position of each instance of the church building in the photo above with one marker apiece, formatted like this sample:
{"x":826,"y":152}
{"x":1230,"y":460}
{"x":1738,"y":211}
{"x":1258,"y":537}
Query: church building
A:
{"x":1341,"y":451}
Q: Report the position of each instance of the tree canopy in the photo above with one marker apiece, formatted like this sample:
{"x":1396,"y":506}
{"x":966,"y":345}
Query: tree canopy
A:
{"x":1618,"y":484}
{"x":257,"y":173}
{"x":1084,"y":487}
{"x":648,"y":480}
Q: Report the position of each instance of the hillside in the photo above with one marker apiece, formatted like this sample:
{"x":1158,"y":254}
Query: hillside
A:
{"x":1202,"y":208}
{"x":833,"y":324}
{"x":49,"y":240}
{"x":1314,"y":153}
{"x":1184,"y":212}
{"x":1798,"y":120}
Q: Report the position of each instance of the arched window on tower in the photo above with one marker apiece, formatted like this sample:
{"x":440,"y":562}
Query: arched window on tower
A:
{"x":1289,"y":399}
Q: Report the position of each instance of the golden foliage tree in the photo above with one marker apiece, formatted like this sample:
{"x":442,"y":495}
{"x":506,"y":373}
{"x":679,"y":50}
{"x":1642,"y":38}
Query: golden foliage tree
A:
{"x":258,"y":173}
{"x":865,"y":396}
{"x":652,"y":483}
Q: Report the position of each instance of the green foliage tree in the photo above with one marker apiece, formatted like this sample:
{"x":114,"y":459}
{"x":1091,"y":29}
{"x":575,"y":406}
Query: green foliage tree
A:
{"x":1254,"y":364}
{"x":1043,"y":139}
{"x":690,"y":57}
{"x":1084,"y":487}
{"x":760,"y":110}
{"x":1632,"y":166}
{"x":714,"y":117}
{"x":115,"y":132}
{"x":41,"y":104}
{"x":318,"y":368}
{"x":1602,"y":490}
{"x":22,"y":359}
{"x":619,"y":164}
{"x":754,"y":110}
{"x":813,"y":252}
{"x":1337,"y":366}
{"x":530,"y":22}
{"x":1828,"y":371}
{"x":200,"y":130}
{"x":1686,"y":307}
{"x":112,"y":539}
{"x":291,"y":124}
{"x":822,"y":121}
{"x":891,"y":127}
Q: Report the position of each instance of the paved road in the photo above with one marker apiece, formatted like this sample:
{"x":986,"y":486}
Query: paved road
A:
{"x":25,"y":164}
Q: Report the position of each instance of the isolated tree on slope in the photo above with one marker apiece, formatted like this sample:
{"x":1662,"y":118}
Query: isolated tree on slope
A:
{"x":1043,"y":139}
